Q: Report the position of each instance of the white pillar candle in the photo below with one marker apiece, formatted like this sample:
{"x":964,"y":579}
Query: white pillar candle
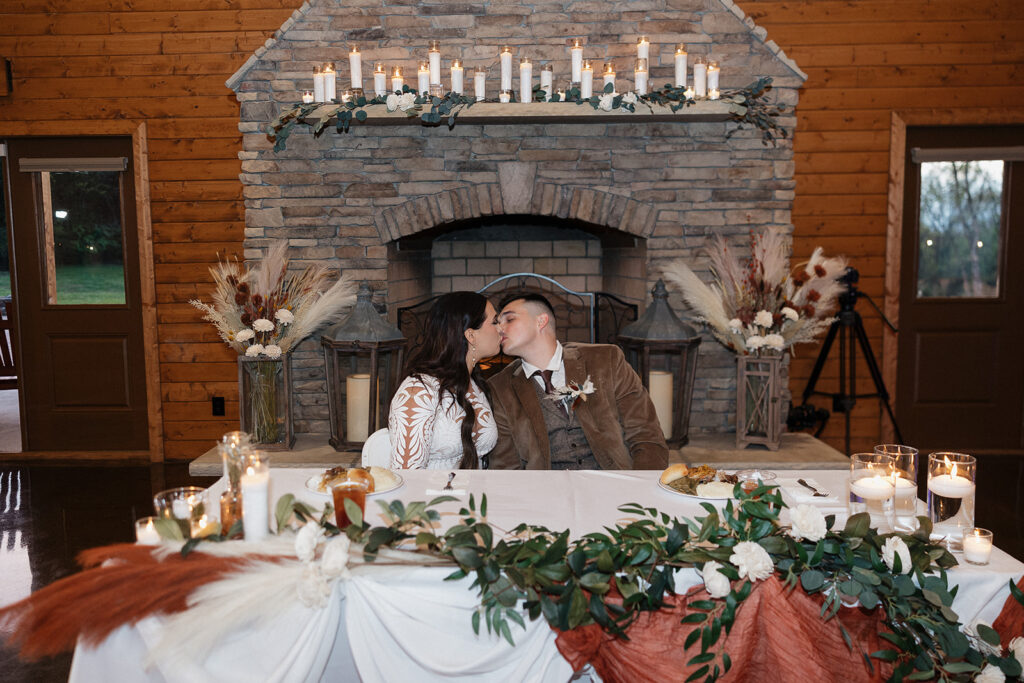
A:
{"x":307,"y":97}
{"x":660,"y":385}
{"x":609,"y":74}
{"x":145,"y":531}
{"x":355,"y":65}
{"x":380,"y":79}
{"x":458,"y":82}
{"x":480,"y":83}
{"x":434,"y":59}
{"x":977,"y":546}
{"x":506,"y":68}
{"x":640,"y":77}
{"x":587,"y":84}
{"x":547,"y":81}
{"x":643,"y":48}
{"x":423,"y":78}
{"x":255,"y":502}
{"x":577,"y":60}
{"x":681,"y":66}
{"x":357,"y":407}
{"x":525,"y":80}
{"x":872,"y":488}
{"x":700,"y":78}
{"x":318,"y":84}
{"x":951,"y":485}
{"x":330,"y":82}
{"x":713,"y":76}
{"x":397,"y":82}
{"x":505,"y":96}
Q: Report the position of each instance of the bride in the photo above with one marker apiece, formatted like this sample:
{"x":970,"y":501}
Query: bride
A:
{"x":428,"y":424}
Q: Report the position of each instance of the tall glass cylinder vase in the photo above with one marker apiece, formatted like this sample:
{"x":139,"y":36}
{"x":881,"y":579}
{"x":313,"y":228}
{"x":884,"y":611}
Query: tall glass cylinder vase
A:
{"x":758,"y":401}
{"x":264,"y":401}
{"x":951,"y":490}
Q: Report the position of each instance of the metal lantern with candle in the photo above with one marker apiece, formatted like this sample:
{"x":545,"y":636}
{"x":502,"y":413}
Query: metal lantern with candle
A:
{"x":363,"y":357}
{"x":663,"y":350}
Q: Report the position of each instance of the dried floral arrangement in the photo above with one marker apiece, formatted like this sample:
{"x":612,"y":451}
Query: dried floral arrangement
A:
{"x":755,"y":303}
{"x":265,"y":311}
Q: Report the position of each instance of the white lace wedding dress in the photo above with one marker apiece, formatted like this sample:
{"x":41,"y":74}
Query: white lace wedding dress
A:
{"x":426,"y":429}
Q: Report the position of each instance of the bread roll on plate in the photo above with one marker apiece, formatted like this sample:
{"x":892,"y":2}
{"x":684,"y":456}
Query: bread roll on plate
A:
{"x":673,"y":472}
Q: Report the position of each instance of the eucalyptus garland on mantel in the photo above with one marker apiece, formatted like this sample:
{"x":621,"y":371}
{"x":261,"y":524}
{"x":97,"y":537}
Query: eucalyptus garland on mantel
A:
{"x":746,"y":106}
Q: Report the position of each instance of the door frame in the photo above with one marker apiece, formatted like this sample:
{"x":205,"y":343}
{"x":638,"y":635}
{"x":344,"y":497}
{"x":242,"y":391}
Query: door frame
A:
{"x":894,"y":229}
{"x":147,"y":280}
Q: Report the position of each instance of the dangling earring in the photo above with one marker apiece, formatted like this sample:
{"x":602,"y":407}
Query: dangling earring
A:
{"x":472,"y":354}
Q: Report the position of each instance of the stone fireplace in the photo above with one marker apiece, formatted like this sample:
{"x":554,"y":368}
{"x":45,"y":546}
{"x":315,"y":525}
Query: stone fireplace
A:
{"x":599,"y":205}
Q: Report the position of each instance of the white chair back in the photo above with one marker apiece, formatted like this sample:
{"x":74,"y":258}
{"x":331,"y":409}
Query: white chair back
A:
{"x":377,"y":450}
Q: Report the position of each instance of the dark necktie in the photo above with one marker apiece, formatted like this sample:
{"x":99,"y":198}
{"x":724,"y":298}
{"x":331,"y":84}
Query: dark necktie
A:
{"x":546,"y":376}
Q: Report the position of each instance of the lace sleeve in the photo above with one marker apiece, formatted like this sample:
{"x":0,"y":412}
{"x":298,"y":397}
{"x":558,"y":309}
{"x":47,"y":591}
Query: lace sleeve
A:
{"x":411,"y":423}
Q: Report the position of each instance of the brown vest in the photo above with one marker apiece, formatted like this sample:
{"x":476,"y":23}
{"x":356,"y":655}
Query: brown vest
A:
{"x":570,"y":449}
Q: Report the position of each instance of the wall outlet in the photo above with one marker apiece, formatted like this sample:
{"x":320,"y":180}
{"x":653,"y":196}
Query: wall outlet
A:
{"x":218,"y":405}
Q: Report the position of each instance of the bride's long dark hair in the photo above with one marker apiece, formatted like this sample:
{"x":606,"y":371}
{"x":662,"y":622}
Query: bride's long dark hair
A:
{"x":442,"y":355}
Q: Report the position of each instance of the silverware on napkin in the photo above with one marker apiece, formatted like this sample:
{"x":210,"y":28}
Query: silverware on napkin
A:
{"x":821,"y":494}
{"x":448,"y":486}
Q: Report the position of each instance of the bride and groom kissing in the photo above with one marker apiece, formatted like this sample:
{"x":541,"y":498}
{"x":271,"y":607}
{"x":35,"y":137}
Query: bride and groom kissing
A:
{"x":557,"y":406}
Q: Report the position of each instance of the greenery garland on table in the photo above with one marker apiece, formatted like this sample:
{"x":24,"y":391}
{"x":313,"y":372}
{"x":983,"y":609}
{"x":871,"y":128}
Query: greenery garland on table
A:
{"x":747,"y":106}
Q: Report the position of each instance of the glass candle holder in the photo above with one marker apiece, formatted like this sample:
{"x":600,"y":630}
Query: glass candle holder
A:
{"x":231,"y":447}
{"x":905,"y":506}
{"x":951,"y":490}
{"x":751,"y":479}
{"x":977,"y":546}
{"x":145,"y":531}
{"x":255,"y":495}
{"x":185,"y":505}
{"x":872,"y":488}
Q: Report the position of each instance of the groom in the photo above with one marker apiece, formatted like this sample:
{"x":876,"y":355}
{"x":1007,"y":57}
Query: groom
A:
{"x":543,"y":421}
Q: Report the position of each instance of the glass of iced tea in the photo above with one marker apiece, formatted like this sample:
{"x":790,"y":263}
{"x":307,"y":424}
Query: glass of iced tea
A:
{"x":354,"y":486}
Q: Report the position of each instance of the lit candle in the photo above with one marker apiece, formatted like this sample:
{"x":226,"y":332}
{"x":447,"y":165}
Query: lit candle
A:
{"x":480,"y":83}
{"x":145,"y":531}
{"x":712,"y":76}
{"x":700,"y":77}
{"x":688,"y":93}
{"x":577,"y":60}
{"x":423,"y":78}
{"x":872,"y":488}
{"x":643,"y":48}
{"x":951,"y":485}
{"x":330,"y":82}
{"x":640,"y":77}
{"x":307,"y":97}
{"x":547,"y":81}
{"x":681,"y":66}
{"x":506,"y":68}
{"x":397,"y":82}
{"x":318,"y":85}
{"x":505,"y":96}
{"x":434,"y":58}
{"x":256,"y":500}
{"x":380,"y":79}
{"x":609,"y":74}
{"x":355,"y":65}
{"x":977,"y":546}
{"x":346,"y":96}
{"x":457,"y":77}
{"x":587,"y":84}
{"x":714,"y":94}
{"x":525,"y":80}
{"x":357,"y":403}
{"x":660,"y":384}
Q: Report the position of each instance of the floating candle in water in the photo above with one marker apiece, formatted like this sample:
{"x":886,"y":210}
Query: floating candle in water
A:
{"x":872,"y":488}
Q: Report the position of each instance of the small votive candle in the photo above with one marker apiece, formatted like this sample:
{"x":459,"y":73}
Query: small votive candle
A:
{"x":609,"y":74}
{"x":587,"y":84}
{"x":577,"y":60}
{"x":680,"y":61}
{"x":307,"y":97}
{"x":505,"y":96}
{"x":346,"y":96}
{"x":977,"y":546}
{"x":330,"y":82}
{"x":380,"y":79}
{"x":714,"y":94}
{"x":643,"y":48}
{"x":688,"y":93}
{"x":547,"y":81}
{"x":145,"y":531}
{"x":480,"y":83}
{"x":423,"y":76}
{"x":458,"y":80}
{"x":397,"y":82}
{"x":525,"y":80}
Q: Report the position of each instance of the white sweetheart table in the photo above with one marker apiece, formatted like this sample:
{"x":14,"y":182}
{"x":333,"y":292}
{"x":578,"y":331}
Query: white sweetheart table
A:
{"x":406,"y":623}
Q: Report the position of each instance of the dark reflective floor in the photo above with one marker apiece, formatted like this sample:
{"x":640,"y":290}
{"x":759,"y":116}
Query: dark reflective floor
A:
{"x":48,"y":514}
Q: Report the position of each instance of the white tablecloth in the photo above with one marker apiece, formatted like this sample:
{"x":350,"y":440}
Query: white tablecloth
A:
{"x":398,"y":624}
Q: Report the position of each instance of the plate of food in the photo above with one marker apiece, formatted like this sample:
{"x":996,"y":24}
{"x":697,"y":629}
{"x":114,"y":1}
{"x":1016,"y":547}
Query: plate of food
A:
{"x":384,"y":480}
{"x":701,"y":482}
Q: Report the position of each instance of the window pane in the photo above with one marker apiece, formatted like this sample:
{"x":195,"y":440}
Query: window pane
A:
{"x":88,"y":263}
{"x":958,"y":234}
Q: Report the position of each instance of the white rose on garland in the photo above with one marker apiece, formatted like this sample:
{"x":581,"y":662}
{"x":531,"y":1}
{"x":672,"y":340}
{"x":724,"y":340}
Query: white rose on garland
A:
{"x":895,"y":547}
{"x":263,"y":325}
{"x":334,"y":562}
{"x":630,"y":98}
{"x":764,"y":319}
{"x":392,"y":102}
{"x":244,"y":335}
{"x":716,"y":583}
{"x":284,"y":316}
{"x":407,"y":101}
{"x":808,"y":523}
{"x":990,"y":674}
{"x":307,"y":540}
{"x":254,"y":350}
{"x":752,"y":561}
{"x":272,"y":351}
{"x":606,"y":101}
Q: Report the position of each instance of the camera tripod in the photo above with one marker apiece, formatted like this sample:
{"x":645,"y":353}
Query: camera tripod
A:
{"x":849,"y":327}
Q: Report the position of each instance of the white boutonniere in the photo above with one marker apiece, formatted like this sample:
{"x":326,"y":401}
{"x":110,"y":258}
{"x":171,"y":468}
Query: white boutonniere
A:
{"x":571,"y":394}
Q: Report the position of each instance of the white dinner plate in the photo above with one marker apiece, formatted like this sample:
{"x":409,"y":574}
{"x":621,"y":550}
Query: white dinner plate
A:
{"x":313,"y":483}
{"x":690,"y":495}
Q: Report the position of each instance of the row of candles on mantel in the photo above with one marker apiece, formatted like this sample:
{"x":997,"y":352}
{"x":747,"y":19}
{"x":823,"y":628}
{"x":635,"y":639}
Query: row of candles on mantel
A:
{"x":705,"y":76}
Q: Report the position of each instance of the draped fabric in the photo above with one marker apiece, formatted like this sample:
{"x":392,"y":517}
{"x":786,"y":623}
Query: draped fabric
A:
{"x":1010,"y":622}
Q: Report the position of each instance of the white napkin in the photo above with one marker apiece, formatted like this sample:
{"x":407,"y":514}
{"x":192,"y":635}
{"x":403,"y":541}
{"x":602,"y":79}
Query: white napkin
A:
{"x":459,"y":484}
{"x":800,"y":494}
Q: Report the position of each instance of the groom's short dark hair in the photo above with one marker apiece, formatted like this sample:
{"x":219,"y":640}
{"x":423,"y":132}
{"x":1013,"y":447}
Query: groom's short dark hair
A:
{"x":529,"y":297}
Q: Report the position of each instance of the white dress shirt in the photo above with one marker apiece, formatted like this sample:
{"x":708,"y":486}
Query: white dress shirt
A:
{"x":556,"y":366}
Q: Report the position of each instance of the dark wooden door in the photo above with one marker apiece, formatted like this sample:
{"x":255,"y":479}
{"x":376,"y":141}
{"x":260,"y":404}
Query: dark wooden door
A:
{"x":960,"y":382}
{"x":76,"y":284}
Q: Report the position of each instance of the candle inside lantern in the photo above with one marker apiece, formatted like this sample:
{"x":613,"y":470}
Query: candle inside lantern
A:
{"x":876,"y":487}
{"x":505,"y":96}
{"x":577,"y":60}
{"x":681,"y":66}
{"x":525,"y":80}
{"x":640,"y":77}
{"x":145,"y":531}
{"x":506,"y":67}
{"x":660,"y":384}
{"x":609,"y":74}
{"x":318,"y":85}
{"x":357,"y":407}
{"x":480,"y":83}
{"x":977,"y":546}
{"x":355,"y":65}
{"x":700,"y":77}
{"x":643,"y":48}
{"x":713,"y":76}
{"x":423,"y":78}
{"x":380,"y":79}
{"x":397,"y":82}
{"x":256,"y":498}
{"x":547,"y":81}
{"x":587,"y":84}
{"x":457,"y":77}
{"x":307,"y":97}
{"x":434,"y":58}
{"x":330,"y":82}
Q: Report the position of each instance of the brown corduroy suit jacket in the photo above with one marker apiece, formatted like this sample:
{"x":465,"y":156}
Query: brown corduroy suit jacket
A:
{"x":618,"y":418}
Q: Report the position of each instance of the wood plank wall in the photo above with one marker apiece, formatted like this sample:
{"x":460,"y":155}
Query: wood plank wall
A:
{"x":137,"y":59}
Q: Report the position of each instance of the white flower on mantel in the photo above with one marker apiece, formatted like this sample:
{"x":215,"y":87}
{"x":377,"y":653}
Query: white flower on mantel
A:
{"x":392,"y":102}
{"x":244,"y":335}
{"x":895,"y":547}
{"x":605,"y":103}
{"x":716,"y":583}
{"x":774,"y":341}
{"x":754,"y":342}
{"x":735,"y":325}
{"x":284,"y":316}
{"x":764,"y":319}
{"x":263,"y":325}
{"x":334,"y":563}
{"x":629,"y":98}
{"x":272,"y":351}
{"x":407,"y":101}
{"x":752,"y":561}
{"x":307,"y":540}
{"x":990,"y":674}
{"x":254,"y":350}
{"x":788,"y":312}
{"x":808,"y":523}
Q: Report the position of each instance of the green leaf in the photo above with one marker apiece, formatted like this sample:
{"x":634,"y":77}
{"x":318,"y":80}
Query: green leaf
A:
{"x":483,"y":505}
{"x":355,"y":514}
{"x":699,"y":673}
{"x":476,"y":622}
{"x":168,"y":529}
{"x":605,"y":562}
{"x":694,"y":618}
{"x":858,"y":525}
{"x":283,"y":510}
{"x":812,"y":580}
{"x":691,"y":638}
{"x":922,"y":675}
{"x":885,"y":655}
{"x":467,"y":557}
{"x":577,"y":608}
{"x":959,"y":667}
{"x":701,"y":658}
